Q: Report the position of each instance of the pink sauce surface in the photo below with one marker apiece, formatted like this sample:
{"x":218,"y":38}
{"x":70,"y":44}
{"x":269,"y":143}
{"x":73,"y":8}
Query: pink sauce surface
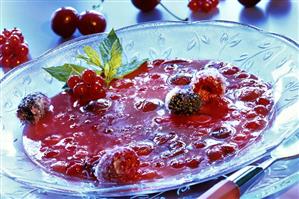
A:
{"x":70,"y":138}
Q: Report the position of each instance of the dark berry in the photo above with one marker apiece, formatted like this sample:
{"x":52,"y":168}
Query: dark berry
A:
{"x":73,"y":80}
{"x":183,"y":102}
{"x":64,"y":21}
{"x":145,"y":5}
{"x":88,"y":76}
{"x":91,"y":22}
{"x":249,"y":3}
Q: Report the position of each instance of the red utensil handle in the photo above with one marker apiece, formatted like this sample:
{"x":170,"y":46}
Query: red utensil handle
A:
{"x":225,"y":189}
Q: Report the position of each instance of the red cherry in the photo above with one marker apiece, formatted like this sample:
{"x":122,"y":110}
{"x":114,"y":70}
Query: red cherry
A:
{"x":91,"y":22}
{"x":6,"y":49}
{"x":99,"y":80}
{"x":80,"y":89}
{"x":22,"y":50}
{"x":88,"y":76}
{"x":64,"y":21}
{"x":2,"y":39}
{"x":73,"y":80}
{"x":14,"y":40}
{"x":249,"y":3}
{"x":145,"y":5}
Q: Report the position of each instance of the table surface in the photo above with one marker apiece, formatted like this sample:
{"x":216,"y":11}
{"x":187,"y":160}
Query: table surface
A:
{"x":33,"y":18}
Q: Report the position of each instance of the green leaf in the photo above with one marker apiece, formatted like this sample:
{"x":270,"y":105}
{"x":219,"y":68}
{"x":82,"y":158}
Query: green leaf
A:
{"x":106,"y":46}
{"x":92,"y":55}
{"x":129,"y":68}
{"x":63,"y":72}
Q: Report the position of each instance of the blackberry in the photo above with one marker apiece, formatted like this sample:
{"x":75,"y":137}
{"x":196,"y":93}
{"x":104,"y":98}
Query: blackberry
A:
{"x":33,"y":107}
{"x":184,"y":102}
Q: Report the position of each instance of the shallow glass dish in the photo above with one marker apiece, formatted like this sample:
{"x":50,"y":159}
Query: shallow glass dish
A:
{"x":271,"y":57}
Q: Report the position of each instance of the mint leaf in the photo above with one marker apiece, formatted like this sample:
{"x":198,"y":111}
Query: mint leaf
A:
{"x":129,"y":68}
{"x":62,"y":73}
{"x":93,"y":56}
{"x":106,"y":46}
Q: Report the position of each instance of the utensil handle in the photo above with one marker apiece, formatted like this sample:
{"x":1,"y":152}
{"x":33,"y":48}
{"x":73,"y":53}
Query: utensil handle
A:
{"x":235,"y":185}
{"x":222,"y":190}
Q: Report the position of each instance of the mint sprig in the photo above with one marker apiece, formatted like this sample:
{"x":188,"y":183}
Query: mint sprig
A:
{"x":108,"y":62}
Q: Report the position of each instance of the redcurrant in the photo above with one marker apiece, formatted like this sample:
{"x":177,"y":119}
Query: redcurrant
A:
{"x":88,"y":76}
{"x":80,"y":89}
{"x":73,"y":80}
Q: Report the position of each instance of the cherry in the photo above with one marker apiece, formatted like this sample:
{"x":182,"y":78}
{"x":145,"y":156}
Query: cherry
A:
{"x":91,"y":22}
{"x":88,"y":76}
{"x":2,"y":39}
{"x":145,"y":5}
{"x":64,"y":21}
{"x":73,"y":80}
{"x":249,"y":3}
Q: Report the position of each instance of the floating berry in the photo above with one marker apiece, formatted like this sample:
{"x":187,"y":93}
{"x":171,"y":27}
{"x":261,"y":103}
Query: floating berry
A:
{"x":209,"y":84}
{"x":73,"y":81}
{"x":120,"y":165}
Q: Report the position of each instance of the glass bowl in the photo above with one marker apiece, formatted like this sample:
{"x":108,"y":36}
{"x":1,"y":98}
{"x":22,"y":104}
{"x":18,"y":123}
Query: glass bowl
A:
{"x":271,"y":57}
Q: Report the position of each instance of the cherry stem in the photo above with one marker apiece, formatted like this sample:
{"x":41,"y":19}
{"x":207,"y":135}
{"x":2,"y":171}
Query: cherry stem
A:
{"x":172,"y":14}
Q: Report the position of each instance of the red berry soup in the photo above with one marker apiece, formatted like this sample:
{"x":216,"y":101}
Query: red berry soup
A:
{"x":167,"y":117}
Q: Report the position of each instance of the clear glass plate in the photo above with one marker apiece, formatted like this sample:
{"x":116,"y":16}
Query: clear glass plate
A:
{"x":272,"y":57}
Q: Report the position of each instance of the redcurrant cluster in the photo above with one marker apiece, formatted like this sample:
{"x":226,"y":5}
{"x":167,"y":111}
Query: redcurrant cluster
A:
{"x":89,"y":86}
{"x":202,"y":5}
{"x":13,"y":49}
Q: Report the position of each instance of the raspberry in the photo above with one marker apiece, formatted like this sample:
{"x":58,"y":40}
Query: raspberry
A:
{"x":33,"y":107}
{"x":80,"y":90}
{"x":120,"y":165}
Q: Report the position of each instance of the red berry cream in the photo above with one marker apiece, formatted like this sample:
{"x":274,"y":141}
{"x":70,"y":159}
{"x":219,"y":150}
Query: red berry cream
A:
{"x":125,"y":123}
